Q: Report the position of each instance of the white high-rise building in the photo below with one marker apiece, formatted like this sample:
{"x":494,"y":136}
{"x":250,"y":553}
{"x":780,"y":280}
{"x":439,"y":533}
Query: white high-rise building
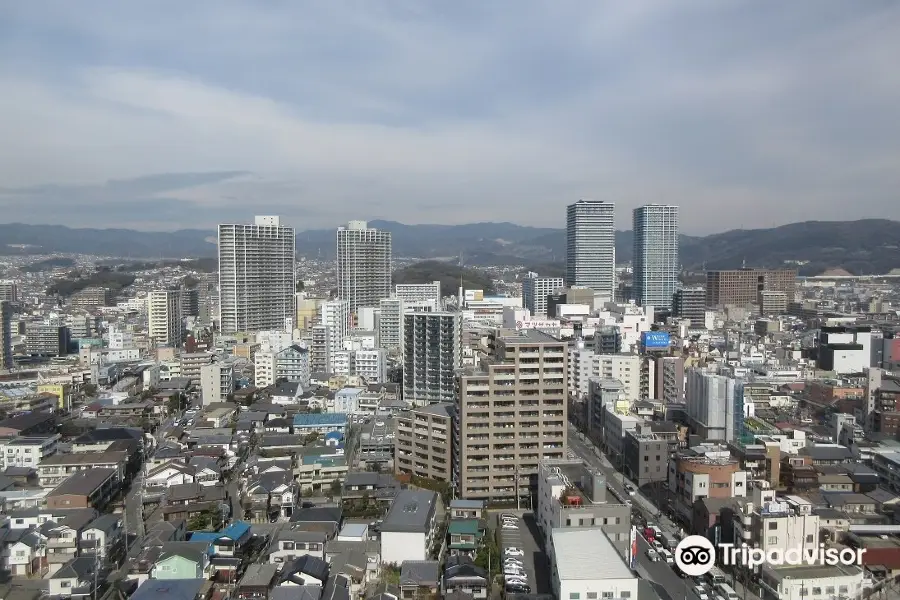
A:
{"x":655,"y":254}
{"x":715,"y":405}
{"x":363,"y":264}
{"x":257,"y":280}
{"x":335,"y":316}
{"x":432,"y":352}
{"x":165,"y":324}
{"x":535,"y":290}
{"x":591,"y":246}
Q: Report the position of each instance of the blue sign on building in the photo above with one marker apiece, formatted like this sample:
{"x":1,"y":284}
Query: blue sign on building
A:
{"x":655,"y":340}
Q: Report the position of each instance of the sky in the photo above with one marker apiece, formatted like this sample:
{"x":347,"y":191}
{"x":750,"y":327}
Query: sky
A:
{"x":169,"y":115}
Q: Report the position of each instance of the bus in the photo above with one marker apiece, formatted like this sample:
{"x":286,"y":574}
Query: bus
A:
{"x":716,"y":576}
{"x":727,"y":591}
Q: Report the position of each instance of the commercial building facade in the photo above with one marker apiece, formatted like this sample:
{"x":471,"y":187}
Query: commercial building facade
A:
{"x":535,"y":290}
{"x":744,"y":286}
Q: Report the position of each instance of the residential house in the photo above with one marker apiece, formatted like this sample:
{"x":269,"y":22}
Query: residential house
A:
{"x":101,"y":536}
{"x":174,"y":589}
{"x":362,"y":487}
{"x":462,"y":575}
{"x":100,"y":440}
{"x":207,"y":470}
{"x":408,"y":528}
{"x":33,"y":423}
{"x":232,"y":540}
{"x":24,"y":552}
{"x":289,"y":544}
{"x":186,"y":561}
{"x":191,"y":499}
{"x":461,"y":508}
{"x":62,"y":544}
{"x":465,"y":536}
{"x":169,"y":474}
{"x":304,"y":570}
{"x":419,"y":578}
{"x":257,"y":582}
{"x":319,"y":468}
{"x":271,"y":494}
{"x":321,"y":423}
{"x":83,"y":489}
{"x":326,"y":519}
{"x":73,"y":579}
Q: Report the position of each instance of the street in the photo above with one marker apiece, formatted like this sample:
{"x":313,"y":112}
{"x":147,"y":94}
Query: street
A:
{"x":668,"y":584}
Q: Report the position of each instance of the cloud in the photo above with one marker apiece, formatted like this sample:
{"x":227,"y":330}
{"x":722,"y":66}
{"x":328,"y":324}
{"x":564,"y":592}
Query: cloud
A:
{"x":170,"y":115}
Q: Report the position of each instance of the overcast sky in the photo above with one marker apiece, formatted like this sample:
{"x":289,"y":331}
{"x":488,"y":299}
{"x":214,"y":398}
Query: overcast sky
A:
{"x":167,"y":114}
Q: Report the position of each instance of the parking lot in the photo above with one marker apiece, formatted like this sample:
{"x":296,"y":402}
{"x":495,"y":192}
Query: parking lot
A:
{"x":527,"y":537}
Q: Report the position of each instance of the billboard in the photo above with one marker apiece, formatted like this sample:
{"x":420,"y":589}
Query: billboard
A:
{"x":633,"y":549}
{"x":655,"y":340}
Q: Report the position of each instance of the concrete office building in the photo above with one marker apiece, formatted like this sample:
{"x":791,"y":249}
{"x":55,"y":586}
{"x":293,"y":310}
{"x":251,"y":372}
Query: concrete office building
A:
{"x":425,"y":442}
{"x":715,"y":405}
{"x":655,"y":262}
{"x":535,"y":290}
{"x":645,"y":453}
{"x":625,"y":368}
{"x":92,"y":296}
{"x":694,"y":475}
{"x":216,"y":382}
{"x":43,"y":339}
{"x":164,"y":317}
{"x":432,"y":353}
{"x":257,"y":280}
{"x":363,"y":264}
{"x":591,"y":246}
{"x":9,"y":291}
{"x":744,"y":286}
{"x":690,"y":303}
{"x":569,"y":494}
{"x":6,"y":347}
{"x":419,"y":292}
{"x":511,"y":414}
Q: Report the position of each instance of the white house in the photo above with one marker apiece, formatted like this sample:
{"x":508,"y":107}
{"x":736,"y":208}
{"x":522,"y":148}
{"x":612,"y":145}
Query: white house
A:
{"x":101,"y":535}
{"x":169,"y":474}
{"x":408,"y":528}
{"x":290,"y":544}
{"x":74,"y":577}
{"x":26,"y":556}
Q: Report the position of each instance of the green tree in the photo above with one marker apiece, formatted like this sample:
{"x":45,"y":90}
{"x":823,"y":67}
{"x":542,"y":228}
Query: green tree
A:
{"x":89,"y":389}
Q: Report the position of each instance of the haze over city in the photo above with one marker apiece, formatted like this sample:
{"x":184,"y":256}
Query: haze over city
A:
{"x":163,"y":115}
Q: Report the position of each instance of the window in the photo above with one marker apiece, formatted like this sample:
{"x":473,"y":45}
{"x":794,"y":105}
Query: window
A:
{"x":591,"y":595}
{"x":608,"y":594}
{"x":773,"y":539}
{"x":809,"y":539}
{"x":817,"y":591}
{"x":773,"y":525}
{"x":65,"y":583}
{"x":574,"y":595}
{"x":829,"y":589}
{"x":625,"y":594}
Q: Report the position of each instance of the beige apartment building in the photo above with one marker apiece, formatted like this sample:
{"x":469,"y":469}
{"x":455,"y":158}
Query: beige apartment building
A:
{"x":511,"y":415}
{"x":424,"y":443}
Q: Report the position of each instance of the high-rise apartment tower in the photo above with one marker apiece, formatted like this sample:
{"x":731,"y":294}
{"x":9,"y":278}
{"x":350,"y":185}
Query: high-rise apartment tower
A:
{"x":591,"y":246}
{"x":655,"y":254}
{"x":363,"y":264}
{"x":257,"y":280}
{"x":164,"y":317}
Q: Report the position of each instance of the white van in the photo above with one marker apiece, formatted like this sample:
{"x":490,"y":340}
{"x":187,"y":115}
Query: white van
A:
{"x":667,"y":556}
{"x":652,"y":554}
{"x":727,"y":592}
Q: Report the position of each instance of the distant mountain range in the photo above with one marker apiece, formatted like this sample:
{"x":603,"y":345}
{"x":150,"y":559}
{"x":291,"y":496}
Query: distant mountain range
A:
{"x":870,"y":246}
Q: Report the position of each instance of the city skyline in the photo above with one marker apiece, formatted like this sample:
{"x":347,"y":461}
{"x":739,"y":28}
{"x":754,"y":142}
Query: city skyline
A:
{"x":143,"y":119}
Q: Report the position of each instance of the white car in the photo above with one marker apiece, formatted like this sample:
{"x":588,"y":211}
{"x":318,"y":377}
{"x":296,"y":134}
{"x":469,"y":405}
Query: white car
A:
{"x":513,"y":562}
{"x":701,"y":593}
{"x":514,"y":552}
{"x":379,"y":423}
{"x":514,"y":580}
{"x":513,"y":572}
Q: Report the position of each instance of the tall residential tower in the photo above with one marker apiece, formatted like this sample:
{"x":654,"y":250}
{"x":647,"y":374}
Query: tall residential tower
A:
{"x":257,"y":280}
{"x":655,"y":254}
{"x":591,"y":246}
{"x":363,"y":264}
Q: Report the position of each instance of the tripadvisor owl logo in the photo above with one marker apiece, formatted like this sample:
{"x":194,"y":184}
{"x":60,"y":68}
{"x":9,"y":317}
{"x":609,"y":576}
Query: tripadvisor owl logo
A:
{"x":695,"y":555}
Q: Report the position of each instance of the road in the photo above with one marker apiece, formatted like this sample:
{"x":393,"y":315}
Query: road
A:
{"x":669,"y":585}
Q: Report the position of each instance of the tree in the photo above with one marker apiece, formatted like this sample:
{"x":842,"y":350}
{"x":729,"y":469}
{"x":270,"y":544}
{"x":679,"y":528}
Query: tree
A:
{"x":336,"y":487}
{"x":89,"y":389}
{"x":311,"y":437}
{"x":201,"y":521}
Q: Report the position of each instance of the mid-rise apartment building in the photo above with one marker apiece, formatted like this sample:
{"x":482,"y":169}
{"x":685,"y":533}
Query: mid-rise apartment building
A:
{"x":92,"y":296}
{"x":192,"y":362}
{"x":389,"y":324}
{"x":46,"y":339}
{"x":257,"y":279}
{"x":432,"y":353}
{"x":9,"y":291}
{"x":624,"y":367}
{"x":363,"y":264}
{"x":217,"y":381}
{"x":165,"y":325}
{"x":744,"y":286}
{"x":705,"y":473}
{"x":535,"y":290}
{"x":424,"y":445}
{"x":337,"y":319}
{"x":419,"y":292}
{"x":511,"y":414}
{"x":27,"y":451}
{"x":669,"y":379}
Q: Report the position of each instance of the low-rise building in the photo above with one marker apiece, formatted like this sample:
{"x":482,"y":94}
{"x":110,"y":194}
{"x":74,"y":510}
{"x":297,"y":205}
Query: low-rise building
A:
{"x":586,"y":564}
{"x":409,"y":527}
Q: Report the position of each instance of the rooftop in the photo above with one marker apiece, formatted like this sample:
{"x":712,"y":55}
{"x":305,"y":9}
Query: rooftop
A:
{"x":586,"y":553}
{"x":411,"y":511}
